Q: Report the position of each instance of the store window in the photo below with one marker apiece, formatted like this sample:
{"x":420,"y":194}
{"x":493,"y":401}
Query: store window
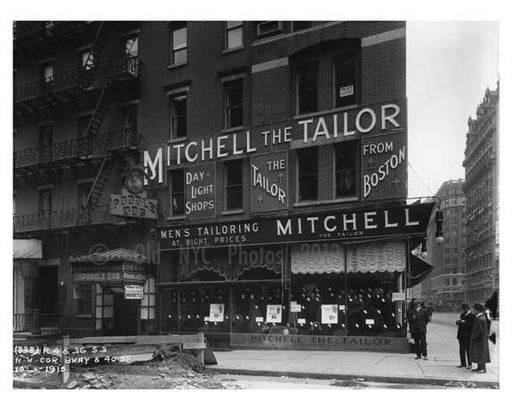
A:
{"x":177,"y":190}
{"x":346,"y":154}
{"x":84,"y":299}
{"x":234,"y":34}
{"x":307,"y":159}
{"x":178,"y":43}
{"x":233,"y":184}
{"x":178,"y":116}
{"x":234,"y":103}
{"x":147,"y":306}
{"x":345,"y":79}
{"x":307,"y":87}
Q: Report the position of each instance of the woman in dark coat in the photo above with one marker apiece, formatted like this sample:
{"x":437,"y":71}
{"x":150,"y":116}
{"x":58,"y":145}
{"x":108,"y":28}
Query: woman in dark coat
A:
{"x":479,"y":343}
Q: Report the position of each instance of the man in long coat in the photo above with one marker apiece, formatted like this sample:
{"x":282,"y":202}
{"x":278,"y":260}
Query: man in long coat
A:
{"x":479,"y":342}
{"x":465,"y":323}
{"x":420,"y":318}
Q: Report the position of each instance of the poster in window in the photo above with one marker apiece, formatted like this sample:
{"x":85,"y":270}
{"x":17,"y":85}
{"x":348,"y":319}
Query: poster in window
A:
{"x":295,"y":307}
{"x":346,"y":91}
{"x":329,"y":314}
{"x":274,"y":313}
{"x":216,"y":312}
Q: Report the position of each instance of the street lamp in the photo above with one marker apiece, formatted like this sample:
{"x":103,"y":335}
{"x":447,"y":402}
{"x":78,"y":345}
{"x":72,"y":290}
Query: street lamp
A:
{"x":439,"y":227}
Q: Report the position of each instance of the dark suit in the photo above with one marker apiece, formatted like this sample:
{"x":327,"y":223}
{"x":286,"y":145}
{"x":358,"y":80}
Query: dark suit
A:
{"x":479,"y":343}
{"x":420,"y":318}
{"x":464,"y":336}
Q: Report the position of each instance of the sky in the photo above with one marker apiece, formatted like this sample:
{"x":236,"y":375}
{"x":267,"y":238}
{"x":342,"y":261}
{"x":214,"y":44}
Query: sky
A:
{"x":449,"y":66}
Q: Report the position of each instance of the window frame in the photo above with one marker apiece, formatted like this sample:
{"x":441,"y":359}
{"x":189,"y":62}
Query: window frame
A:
{"x":83,"y":65}
{"x":88,"y":305}
{"x":227,"y":187}
{"x":174,"y":118}
{"x":41,"y":205}
{"x":228,"y":86}
{"x":232,"y":28}
{"x":357,"y":170}
{"x":298,"y":89}
{"x":357,"y":77}
{"x":298,"y":176}
{"x":172,"y":193}
{"x":174,"y":27}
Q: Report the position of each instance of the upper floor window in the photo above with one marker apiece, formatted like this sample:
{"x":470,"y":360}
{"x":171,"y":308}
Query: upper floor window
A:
{"x":307,"y":87}
{"x":346,"y":154}
{"x":87,"y":58}
{"x":307,"y":160}
{"x":234,"y":103}
{"x":345,"y":79}
{"x":131,"y":48}
{"x":178,"y":43}
{"x":177,"y":206}
{"x":45,"y":202}
{"x":46,"y":72}
{"x":178,"y":115}
{"x":300,"y":25}
{"x":234,"y":34}
{"x":269,"y":28}
{"x":233,"y":183}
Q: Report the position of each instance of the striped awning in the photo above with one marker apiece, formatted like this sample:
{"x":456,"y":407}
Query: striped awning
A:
{"x":114,"y":255}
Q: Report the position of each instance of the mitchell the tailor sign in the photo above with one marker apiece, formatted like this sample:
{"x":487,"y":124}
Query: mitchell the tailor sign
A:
{"x":335,"y":225}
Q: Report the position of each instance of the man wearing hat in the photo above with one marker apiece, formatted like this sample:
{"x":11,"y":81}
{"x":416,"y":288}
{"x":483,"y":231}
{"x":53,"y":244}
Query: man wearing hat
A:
{"x":465,"y":324}
{"x":479,"y":343}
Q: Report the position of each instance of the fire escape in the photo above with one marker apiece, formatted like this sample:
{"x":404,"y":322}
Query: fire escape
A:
{"x":96,"y":78}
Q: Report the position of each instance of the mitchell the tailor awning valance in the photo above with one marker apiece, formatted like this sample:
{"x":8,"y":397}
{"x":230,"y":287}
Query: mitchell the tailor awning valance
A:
{"x":369,"y":257}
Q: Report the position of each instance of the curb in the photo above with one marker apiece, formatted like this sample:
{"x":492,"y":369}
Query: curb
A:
{"x":367,"y":378}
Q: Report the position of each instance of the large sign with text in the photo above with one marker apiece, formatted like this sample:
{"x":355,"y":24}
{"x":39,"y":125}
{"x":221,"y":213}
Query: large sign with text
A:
{"x":363,"y":121}
{"x":335,"y":225}
{"x":128,"y":204}
{"x":200,"y":191}
{"x":319,"y":342}
{"x":269,"y":182}
{"x":384,"y":166}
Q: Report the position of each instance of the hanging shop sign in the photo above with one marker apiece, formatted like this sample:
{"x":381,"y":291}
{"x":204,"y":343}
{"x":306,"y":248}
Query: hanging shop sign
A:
{"x":340,"y":225}
{"x":133,"y":292}
{"x":384,"y":165}
{"x":132,"y":205}
{"x":269,"y":182}
{"x":200,"y":191}
{"x":109,"y":276}
{"x":369,"y":120}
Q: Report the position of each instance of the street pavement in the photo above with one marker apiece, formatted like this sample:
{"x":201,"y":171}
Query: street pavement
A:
{"x":441,"y":367}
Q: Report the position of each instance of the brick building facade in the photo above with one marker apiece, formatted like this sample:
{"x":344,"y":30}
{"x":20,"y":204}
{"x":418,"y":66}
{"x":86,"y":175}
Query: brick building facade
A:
{"x":237,"y":129}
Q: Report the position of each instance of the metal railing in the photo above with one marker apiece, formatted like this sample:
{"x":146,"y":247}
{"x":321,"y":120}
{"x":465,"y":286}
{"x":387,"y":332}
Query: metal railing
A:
{"x":22,"y":322}
{"x":85,"y":147}
{"x":111,"y":70}
{"x":65,"y":218}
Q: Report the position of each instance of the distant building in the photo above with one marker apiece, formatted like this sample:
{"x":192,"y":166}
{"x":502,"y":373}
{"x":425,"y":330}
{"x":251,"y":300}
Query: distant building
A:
{"x":446,"y":285}
{"x":481,"y":191}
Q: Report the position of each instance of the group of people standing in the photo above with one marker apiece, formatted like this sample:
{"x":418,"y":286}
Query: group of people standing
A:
{"x":472,"y":333}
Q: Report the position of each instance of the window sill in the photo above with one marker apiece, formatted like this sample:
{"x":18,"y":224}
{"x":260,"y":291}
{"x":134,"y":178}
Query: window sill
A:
{"x":173,"y":66}
{"x":231,"y":50}
{"x":326,"y":112}
{"x":233,"y":129}
{"x":181,"y":139}
{"x":325,"y":202}
{"x":232,"y":212}
{"x":84,"y":317}
{"x":176,"y":218}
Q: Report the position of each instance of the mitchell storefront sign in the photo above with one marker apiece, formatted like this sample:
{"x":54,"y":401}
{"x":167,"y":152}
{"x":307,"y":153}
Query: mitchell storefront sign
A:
{"x":312,"y":342}
{"x":340,"y":225}
{"x":200,"y":191}
{"x":376,"y":119}
{"x":269,"y":182}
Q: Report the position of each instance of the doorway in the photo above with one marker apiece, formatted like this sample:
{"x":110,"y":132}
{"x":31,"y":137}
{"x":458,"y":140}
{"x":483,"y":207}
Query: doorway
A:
{"x":46,"y":290}
{"x":126,"y":315}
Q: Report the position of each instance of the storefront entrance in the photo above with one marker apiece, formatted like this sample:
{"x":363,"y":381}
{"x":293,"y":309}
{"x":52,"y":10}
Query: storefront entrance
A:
{"x":46,"y":290}
{"x":126,"y":316}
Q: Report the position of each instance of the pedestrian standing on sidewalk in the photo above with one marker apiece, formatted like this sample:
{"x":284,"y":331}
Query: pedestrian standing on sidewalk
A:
{"x":479,"y":343}
{"x":465,"y":324}
{"x":410,"y":318}
{"x":420,"y":318}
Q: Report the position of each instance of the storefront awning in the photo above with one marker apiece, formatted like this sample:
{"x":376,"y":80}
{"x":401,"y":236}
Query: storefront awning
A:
{"x":114,"y":255}
{"x":370,"y":257}
{"x":419,"y":270}
{"x":27,"y":249}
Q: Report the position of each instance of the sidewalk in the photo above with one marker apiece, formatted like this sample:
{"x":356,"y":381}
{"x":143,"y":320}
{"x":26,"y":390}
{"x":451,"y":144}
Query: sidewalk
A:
{"x":390,"y":367}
